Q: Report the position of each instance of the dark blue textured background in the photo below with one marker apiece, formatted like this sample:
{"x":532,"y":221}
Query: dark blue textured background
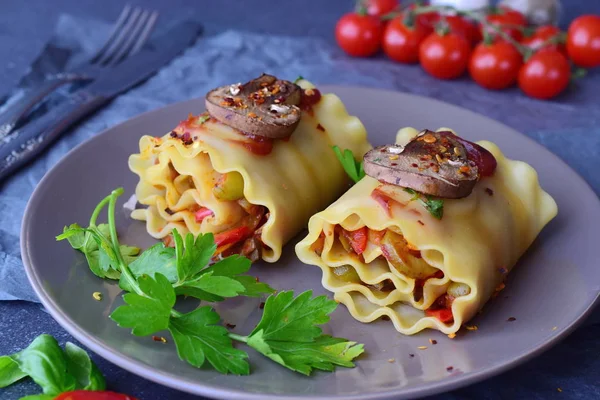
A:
{"x":572,"y":131}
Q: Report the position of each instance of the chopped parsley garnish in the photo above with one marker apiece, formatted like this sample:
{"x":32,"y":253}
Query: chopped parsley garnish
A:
{"x":431,"y":204}
{"x":353,"y":168}
{"x":288,"y":332}
{"x":203,"y":118}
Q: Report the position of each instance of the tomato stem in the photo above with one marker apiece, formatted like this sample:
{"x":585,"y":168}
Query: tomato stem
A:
{"x":361,"y":8}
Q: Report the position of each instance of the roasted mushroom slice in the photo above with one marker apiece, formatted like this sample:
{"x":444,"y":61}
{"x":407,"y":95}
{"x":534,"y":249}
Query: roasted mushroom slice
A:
{"x":265,"y":106}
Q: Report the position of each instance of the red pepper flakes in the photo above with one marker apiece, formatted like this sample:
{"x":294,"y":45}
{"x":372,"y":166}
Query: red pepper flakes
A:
{"x":433,"y":341}
{"x":489,"y":191}
{"x":230,"y":326}
{"x":449,"y":369}
{"x":320,"y":127}
{"x":420,"y":222}
{"x":414,"y":165}
{"x":511,"y":319}
{"x":159,"y":339}
{"x":411,"y":355}
{"x":169,"y":211}
{"x":262,"y":305}
{"x":173,"y":134}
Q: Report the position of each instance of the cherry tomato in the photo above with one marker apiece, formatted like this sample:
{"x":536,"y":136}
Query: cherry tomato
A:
{"x":496,"y":65}
{"x":444,"y":56}
{"x":359,"y":35}
{"x":463,"y":27}
{"x":583,"y":41}
{"x":90,"y":395}
{"x":426,"y":20}
{"x":233,"y":235}
{"x":379,"y":8}
{"x":509,"y":21}
{"x":541,"y":35}
{"x":401,"y":43}
{"x":545,"y":74}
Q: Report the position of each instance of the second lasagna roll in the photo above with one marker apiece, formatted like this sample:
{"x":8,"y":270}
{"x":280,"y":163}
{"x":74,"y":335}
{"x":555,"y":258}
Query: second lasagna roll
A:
{"x":386,"y":252}
{"x":254,"y":193}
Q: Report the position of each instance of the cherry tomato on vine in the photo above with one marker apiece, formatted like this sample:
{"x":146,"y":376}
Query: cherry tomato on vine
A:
{"x":545,"y":75}
{"x":463,"y":27}
{"x":90,"y":395}
{"x":426,"y":20}
{"x":541,"y":35}
{"x":444,"y":56}
{"x":496,"y":65}
{"x":379,"y":8}
{"x":509,"y":21}
{"x":583,"y":41}
{"x":401,"y":43}
{"x":359,"y":35}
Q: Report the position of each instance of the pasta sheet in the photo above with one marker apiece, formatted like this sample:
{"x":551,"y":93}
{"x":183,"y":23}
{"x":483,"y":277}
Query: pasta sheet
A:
{"x":478,"y":240}
{"x":298,"y":178}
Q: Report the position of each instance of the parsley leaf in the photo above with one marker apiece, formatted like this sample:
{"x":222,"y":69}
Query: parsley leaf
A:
{"x":203,"y":118}
{"x":156,"y":259}
{"x":192,"y":254}
{"x":353,"y":168}
{"x":433,"y":205}
{"x":288,"y":333}
{"x":298,"y":79}
{"x":198,"y":338}
{"x":149,"y":312}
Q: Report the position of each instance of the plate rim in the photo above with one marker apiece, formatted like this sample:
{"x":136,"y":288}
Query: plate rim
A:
{"x":216,"y":391}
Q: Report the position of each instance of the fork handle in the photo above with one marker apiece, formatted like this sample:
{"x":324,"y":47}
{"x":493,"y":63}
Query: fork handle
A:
{"x":15,"y":112}
{"x":26,"y":143}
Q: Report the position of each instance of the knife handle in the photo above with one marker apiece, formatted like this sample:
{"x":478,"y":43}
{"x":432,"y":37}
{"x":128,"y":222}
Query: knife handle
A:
{"x":24,"y":144}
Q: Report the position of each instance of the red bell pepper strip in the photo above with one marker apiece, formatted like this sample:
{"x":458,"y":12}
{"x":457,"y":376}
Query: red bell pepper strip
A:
{"x":233,"y":235}
{"x":358,"y":239}
{"x":202,"y":213}
{"x":443,"y":314}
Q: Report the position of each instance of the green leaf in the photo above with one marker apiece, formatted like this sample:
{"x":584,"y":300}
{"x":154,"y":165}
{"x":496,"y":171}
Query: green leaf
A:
{"x":435,"y":207}
{"x":197,"y":293}
{"x":218,"y":285}
{"x":155,"y":259}
{"x":353,"y":168}
{"x":198,"y":338}
{"x":86,"y":373}
{"x":298,"y":79}
{"x":9,"y":371}
{"x":39,"y":397}
{"x":44,"y":361}
{"x":253,"y":288}
{"x":295,"y":319}
{"x":288,"y":333}
{"x":323,"y":353}
{"x":192,"y":254}
{"x":203,"y":118}
{"x":149,"y":313}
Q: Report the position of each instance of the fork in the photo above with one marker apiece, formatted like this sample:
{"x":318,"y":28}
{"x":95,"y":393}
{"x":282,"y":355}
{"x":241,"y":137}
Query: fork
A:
{"x":129,"y":33}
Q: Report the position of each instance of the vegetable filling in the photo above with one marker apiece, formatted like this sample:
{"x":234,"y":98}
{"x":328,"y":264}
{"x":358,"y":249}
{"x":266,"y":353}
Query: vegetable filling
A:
{"x":401,"y":256}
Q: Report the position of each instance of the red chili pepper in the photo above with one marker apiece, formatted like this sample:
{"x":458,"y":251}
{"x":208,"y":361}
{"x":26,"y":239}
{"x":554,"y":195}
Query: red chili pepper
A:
{"x":91,"y":395}
{"x":233,"y":235}
{"x":443,"y":314}
{"x":202,"y":213}
{"x":358,"y":239}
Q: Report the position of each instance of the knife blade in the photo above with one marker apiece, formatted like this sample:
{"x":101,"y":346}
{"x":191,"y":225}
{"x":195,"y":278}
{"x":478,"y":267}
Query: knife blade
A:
{"x":26,"y":143}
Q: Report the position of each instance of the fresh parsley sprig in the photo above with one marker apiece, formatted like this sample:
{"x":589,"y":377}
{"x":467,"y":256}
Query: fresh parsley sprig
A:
{"x":55,"y":370}
{"x":288,"y":332}
{"x":353,"y":168}
{"x":433,"y":205}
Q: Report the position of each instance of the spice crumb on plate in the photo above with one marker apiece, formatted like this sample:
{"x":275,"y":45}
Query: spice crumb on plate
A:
{"x":449,"y":369}
{"x":97,"y":296}
{"x":452,"y":335}
{"x":432,"y":341}
{"x":159,"y":339}
{"x":555,"y":328}
{"x":422,"y":347}
{"x":511,"y":319}
{"x":559,"y":390}
{"x":471,"y":327}
{"x":391,"y":360}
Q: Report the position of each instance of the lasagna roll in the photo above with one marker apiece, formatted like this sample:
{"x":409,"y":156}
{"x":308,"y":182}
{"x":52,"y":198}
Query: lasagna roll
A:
{"x":419,"y":259}
{"x":253,"y":191}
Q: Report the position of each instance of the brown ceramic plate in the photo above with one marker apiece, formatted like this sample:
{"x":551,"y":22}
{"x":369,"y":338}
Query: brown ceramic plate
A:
{"x":554,"y":286}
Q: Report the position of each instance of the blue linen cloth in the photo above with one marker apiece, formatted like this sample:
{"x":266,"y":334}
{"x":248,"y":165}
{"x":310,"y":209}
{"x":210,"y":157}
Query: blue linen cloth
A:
{"x":568,"y":126}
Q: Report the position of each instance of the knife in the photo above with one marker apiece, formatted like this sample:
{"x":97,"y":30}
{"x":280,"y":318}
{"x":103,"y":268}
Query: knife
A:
{"x":23,"y":145}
